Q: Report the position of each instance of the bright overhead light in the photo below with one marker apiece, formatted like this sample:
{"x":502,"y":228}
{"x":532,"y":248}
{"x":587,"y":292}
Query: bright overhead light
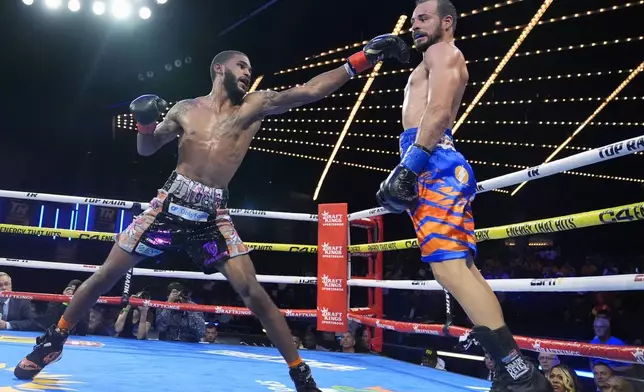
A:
{"x":121,"y":9}
{"x":28,"y":2}
{"x":162,"y":1}
{"x":98,"y":7}
{"x":52,"y":3}
{"x":145,"y":13}
{"x":73,"y":5}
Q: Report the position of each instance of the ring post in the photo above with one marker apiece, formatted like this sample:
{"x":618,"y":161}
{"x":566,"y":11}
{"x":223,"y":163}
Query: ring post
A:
{"x":333,"y":229}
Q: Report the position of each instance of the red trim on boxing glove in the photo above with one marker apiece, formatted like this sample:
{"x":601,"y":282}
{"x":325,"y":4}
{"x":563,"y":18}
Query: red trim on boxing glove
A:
{"x":359,"y":62}
{"x":146,"y":129}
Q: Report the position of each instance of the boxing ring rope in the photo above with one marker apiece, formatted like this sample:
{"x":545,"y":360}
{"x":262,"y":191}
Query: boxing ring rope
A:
{"x":627,"y":282}
{"x":620,"y":214}
{"x":631,"y":354}
{"x":600,"y":154}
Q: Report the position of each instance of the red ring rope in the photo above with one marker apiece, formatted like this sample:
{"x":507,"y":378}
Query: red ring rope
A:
{"x":632,"y":354}
{"x":231,"y":310}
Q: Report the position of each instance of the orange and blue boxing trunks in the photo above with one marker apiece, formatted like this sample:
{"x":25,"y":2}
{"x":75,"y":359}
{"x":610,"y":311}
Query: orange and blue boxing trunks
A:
{"x":443,"y":216}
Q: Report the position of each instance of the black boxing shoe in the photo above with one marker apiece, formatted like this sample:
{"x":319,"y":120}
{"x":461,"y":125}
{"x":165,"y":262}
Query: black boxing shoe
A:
{"x":48,"y":349}
{"x":302,"y":378}
{"x":513,"y":372}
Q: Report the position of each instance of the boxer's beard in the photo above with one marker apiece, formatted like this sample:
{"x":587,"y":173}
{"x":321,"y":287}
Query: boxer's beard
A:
{"x":235,"y":94}
{"x":430,"y":40}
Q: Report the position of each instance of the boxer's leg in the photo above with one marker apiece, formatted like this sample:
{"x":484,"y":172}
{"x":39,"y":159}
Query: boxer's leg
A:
{"x":118,"y":262}
{"x":477,"y":274}
{"x":476,"y":297}
{"x":240,"y":272}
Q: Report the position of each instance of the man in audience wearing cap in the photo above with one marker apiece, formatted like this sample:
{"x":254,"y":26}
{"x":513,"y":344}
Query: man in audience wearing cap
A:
{"x":431,"y":359}
{"x":180,"y":325}
{"x":56,"y":309}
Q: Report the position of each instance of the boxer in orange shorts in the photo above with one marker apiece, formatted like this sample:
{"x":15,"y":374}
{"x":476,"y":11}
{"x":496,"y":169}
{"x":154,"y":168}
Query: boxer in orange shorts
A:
{"x":436,"y":185}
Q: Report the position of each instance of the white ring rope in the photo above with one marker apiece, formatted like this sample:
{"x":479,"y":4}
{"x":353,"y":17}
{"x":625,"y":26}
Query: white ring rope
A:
{"x":611,"y":151}
{"x":600,"y":154}
{"x":131,"y":204}
{"x":629,"y":282}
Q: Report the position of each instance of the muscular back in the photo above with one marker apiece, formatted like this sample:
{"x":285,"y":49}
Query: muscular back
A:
{"x":213,"y":141}
{"x":418,"y":90}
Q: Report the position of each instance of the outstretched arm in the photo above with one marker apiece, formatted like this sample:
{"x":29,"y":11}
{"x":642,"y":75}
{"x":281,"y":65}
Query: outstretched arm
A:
{"x":382,"y":47}
{"x":316,"y":89}
{"x":444,"y":85}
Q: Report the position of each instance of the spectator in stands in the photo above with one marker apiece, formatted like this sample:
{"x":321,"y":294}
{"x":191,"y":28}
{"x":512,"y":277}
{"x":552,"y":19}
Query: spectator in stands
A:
{"x":310,"y":342}
{"x":15,"y":314}
{"x":365,"y":338}
{"x":55,"y":310}
{"x":547,"y":361}
{"x":134,"y":322}
{"x":601,"y":308}
{"x":589,"y":268}
{"x":603,"y":336}
{"x":431,"y":359}
{"x":97,"y":325}
{"x":348,"y":343}
{"x":564,"y":379}
{"x":297,"y":342}
{"x":329,"y":342}
{"x":490,"y":365}
{"x":210,"y":336}
{"x":179,"y":325}
{"x":617,"y":384}
{"x":601,"y":374}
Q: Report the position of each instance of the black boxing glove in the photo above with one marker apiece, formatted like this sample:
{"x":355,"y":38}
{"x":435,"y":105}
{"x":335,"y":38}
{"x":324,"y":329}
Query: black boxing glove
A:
{"x":399,"y":191}
{"x":146,"y":109}
{"x":382,"y":47}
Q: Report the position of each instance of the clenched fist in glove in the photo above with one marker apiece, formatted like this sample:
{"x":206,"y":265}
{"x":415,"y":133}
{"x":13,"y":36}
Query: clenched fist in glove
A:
{"x":386,"y":46}
{"x":399,"y":192}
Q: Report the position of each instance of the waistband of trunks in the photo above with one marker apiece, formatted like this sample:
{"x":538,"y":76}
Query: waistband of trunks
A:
{"x":195,"y":193}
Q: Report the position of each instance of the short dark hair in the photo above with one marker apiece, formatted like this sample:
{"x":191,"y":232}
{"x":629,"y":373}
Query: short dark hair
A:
{"x":221,"y":58}
{"x":444,"y":8}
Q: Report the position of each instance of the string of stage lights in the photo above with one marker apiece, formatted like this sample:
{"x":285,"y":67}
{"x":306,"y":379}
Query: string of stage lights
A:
{"x":309,"y":157}
{"x":128,"y":123}
{"x":500,"y":81}
{"x":474,"y":162}
{"x":594,"y":114}
{"x":485,"y":103}
{"x":457,"y":140}
{"x":473,"y":122}
{"x":460,"y":16}
{"x":120,"y":9}
{"x":497,"y":31}
{"x":485,"y":34}
{"x":487,"y":59}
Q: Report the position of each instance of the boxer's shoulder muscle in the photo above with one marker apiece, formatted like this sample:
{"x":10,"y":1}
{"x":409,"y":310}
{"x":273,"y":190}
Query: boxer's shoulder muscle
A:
{"x":180,"y":109}
{"x":254,"y":103}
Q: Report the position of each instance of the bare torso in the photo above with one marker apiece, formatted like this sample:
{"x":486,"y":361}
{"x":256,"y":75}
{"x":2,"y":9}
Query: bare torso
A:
{"x":417,"y":93}
{"x":213,"y":143}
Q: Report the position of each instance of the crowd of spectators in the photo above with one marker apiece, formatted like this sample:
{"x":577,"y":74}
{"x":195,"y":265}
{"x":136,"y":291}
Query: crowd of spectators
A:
{"x":604,"y":317}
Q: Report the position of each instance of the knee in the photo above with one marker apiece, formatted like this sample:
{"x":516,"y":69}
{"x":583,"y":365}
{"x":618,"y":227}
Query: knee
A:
{"x":251,"y":290}
{"x":449,"y":272}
